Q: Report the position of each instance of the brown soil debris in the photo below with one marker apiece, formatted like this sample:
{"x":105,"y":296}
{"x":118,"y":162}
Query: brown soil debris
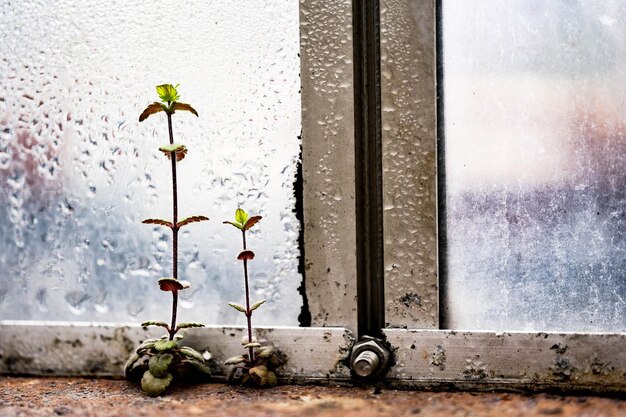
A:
{"x":104,"y":397}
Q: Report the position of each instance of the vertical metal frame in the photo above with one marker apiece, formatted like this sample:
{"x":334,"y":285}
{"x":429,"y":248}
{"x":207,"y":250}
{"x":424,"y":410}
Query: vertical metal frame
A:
{"x":368,"y":167}
{"x":409,"y":162}
{"x":328,"y":158}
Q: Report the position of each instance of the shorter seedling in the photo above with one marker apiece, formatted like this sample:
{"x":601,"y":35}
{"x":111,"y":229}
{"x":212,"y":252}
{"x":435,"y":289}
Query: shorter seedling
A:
{"x":256,"y":367}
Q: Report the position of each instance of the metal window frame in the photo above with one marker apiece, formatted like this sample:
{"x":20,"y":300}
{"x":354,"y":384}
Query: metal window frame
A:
{"x":475,"y":359}
{"x":424,"y":355}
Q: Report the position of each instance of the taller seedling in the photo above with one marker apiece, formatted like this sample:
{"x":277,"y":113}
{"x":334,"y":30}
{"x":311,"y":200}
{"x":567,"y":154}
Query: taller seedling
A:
{"x":155,"y":358}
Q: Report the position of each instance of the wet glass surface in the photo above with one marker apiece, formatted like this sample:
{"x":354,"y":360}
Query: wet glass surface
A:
{"x":78,"y":172}
{"x":535,"y":160}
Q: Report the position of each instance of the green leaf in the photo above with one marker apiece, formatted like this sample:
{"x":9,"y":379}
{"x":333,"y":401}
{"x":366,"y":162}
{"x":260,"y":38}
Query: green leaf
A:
{"x":178,"y":149}
{"x":192,"y":353}
{"x":168,"y":92}
{"x":257,"y":305}
{"x":272,"y":380}
{"x":262,"y":376}
{"x":237,"y":307}
{"x":200,"y":366}
{"x":265,"y":352}
{"x":237,"y":225}
{"x":149,"y":341}
{"x":158,"y":221}
{"x":251,"y":222}
{"x":152,"y":109}
{"x":184,"y":107}
{"x":189,"y":325}
{"x":158,"y":364}
{"x":165,"y":345}
{"x":234,"y":360}
{"x":252,"y":345}
{"x":154,"y":386}
{"x":244,"y":340}
{"x":134,"y":357}
{"x":155,"y":323}
{"x":146,"y":345}
{"x":241,"y":216}
{"x":174,"y":147}
{"x":191,"y":219}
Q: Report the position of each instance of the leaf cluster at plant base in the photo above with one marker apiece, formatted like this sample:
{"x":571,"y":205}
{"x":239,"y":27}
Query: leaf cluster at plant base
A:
{"x":261,"y":372}
{"x":158,"y":362}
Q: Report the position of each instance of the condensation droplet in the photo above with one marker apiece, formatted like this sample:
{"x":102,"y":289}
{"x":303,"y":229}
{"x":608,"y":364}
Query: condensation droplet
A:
{"x":76,"y":301}
{"x":41,"y":298}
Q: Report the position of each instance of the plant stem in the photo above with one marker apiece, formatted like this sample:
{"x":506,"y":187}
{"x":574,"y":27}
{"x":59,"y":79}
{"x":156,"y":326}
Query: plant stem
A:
{"x":174,"y":228}
{"x":248,"y":311}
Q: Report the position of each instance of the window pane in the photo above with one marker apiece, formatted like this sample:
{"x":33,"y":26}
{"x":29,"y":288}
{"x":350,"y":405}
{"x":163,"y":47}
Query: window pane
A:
{"x":535,"y":157}
{"x":79,"y":172}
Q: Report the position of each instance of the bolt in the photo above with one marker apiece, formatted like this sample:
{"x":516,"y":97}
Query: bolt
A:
{"x":370,"y":358}
{"x":366,"y":364}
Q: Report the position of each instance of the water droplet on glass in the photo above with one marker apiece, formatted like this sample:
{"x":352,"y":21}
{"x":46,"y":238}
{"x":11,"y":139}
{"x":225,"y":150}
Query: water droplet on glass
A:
{"x":76,"y":301}
{"x":41,"y":299}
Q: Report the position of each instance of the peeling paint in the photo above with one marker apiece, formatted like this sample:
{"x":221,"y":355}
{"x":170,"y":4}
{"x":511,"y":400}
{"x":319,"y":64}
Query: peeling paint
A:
{"x":476,"y":369}
{"x":411,"y":300}
{"x":559,"y":349}
{"x":438,"y":358}
{"x":600,"y":368}
{"x":562,"y":368}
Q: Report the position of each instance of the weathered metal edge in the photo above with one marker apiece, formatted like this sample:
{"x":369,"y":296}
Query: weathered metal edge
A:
{"x":328,"y":161}
{"x":101,"y":349}
{"x":566,"y":362}
{"x":409,"y":148}
{"x":434,"y":359}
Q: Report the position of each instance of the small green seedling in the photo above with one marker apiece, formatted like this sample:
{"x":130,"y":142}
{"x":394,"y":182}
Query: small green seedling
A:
{"x":157,"y":361}
{"x":257,"y":365}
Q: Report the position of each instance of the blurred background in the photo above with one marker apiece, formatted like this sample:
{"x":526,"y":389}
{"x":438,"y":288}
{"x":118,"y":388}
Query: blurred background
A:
{"x":535,"y":164}
{"x":78,"y":172}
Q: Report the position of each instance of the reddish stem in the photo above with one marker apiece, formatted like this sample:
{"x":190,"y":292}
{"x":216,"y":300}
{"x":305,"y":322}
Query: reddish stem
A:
{"x":248,"y":311}
{"x":174,"y":228}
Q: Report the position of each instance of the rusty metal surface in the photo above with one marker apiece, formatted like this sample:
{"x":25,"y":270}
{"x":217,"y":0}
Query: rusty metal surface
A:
{"x":96,"y":398}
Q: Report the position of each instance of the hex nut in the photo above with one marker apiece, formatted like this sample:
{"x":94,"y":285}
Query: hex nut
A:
{"x":369,"y":358}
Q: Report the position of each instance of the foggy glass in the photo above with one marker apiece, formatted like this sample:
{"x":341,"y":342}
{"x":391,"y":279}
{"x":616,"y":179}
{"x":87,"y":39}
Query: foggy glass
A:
{"x":78,"y":172}
{"x":535,"y":164}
